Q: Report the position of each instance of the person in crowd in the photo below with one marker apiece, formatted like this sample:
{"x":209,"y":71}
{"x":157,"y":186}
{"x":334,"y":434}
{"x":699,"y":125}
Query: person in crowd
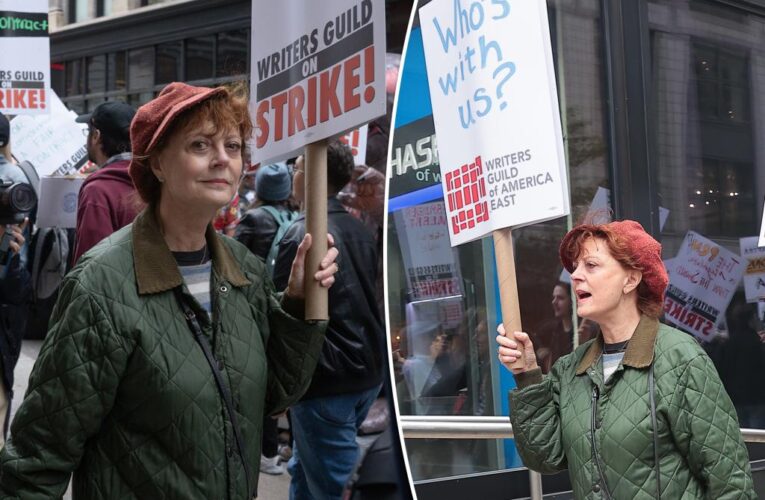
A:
{"x":260,"y":230}
{"x":639,"y":411}
{"x":106,"y":201}
{"x":555,"y":337}
{"x":169,"y":342}
{"x":271,"y":212}
{"x":350,"y":369}
{"x":15,"y":291}
{"x":227,"y":217}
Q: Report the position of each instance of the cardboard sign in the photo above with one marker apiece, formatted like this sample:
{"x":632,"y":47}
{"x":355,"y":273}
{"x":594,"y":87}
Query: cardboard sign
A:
{"x":495,"y":108}
{"x":356,"y":139}
{"x":702,"y":280}
{"x":318,"y":69}
{"x":754,"y":273}
{"x":58,"y":201}
{"x":24,"y":44}
{"x":54,"y":144}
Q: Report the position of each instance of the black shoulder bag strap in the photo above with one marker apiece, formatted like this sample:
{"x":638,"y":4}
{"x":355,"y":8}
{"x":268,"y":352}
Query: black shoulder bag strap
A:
{"x":655,"y":429}
{"x":191,"y":318}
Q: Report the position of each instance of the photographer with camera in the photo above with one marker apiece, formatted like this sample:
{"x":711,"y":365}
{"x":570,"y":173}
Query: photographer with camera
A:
{"x":17,"y":199}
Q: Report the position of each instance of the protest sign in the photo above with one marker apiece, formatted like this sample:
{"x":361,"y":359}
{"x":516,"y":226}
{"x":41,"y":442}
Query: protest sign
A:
{"x":318,"y":69}
{"x":24,"y":44}
{"x":54,"y":144}
{"x":754,"y":274}
{"x":58,"y":201}
{"x":495,"y":108}
{"x":356,"y":139}
{"x":429,"y":261}
{"x":702,"y":280}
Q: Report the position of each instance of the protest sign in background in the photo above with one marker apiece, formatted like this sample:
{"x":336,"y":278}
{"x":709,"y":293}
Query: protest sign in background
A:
{"x":754,"y":272}
{"x":54,"y":144}
{"x":702,"y":280}
{"x":495,"y":108}
{"x":25,"y":49}
{"x":318,"y":69}
{"x":356,"y":139}
{"x":58,"y":201}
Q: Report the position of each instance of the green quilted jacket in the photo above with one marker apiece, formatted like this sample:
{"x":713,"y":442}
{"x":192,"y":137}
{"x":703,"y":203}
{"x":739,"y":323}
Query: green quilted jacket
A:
{"x":123,"y":396}
{"x":571,"y":419}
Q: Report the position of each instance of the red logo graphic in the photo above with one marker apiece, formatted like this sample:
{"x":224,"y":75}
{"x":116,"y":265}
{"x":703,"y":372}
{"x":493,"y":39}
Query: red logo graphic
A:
{"x":466,"y":192}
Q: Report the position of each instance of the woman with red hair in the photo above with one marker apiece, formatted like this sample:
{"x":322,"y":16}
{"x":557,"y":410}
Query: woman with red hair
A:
{"x":168,"y":343}
{"x":639,"y":411}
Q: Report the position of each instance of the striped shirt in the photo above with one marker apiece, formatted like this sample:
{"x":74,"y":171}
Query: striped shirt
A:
{"x":610,"y":364}
{"x":196,"y":276}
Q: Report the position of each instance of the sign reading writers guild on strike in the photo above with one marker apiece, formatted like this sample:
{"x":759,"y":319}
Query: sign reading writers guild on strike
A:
{"x":318,"y":69}
{"x":25,"y":57}
{"x":495,"y":108}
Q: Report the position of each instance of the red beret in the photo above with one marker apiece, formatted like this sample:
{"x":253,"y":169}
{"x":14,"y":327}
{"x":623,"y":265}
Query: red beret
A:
{"x":152,"y":120}
{"x":641,"y":249}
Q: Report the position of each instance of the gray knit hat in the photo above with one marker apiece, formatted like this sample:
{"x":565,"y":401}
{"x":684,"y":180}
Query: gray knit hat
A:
{"x":273,"y":182}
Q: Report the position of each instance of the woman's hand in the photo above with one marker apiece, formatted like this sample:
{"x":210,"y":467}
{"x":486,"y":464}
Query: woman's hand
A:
{"x":511,"y":348}
{"x":16,"y":234}
{"x":325,"y":275}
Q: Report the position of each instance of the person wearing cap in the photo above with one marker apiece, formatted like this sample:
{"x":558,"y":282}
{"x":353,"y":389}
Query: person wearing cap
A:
{"x":639,"y":411}
{"x":15,"y":288}
{"x":168,"y":343}
{"x":258,"y":227}
{"x":105,"y":203}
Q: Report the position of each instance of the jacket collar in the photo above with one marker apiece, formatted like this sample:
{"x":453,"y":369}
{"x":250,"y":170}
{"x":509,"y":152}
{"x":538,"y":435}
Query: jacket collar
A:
{"x":640,"y":350}
{"x":333,"y":206}
{"x":155,"y":267}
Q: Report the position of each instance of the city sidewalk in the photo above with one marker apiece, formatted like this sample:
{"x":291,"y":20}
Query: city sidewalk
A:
{"x":269,"y":487}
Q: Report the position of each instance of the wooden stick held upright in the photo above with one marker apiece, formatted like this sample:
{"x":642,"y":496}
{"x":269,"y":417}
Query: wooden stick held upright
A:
{"x":508,"y":285}
{"x":316,"y":296}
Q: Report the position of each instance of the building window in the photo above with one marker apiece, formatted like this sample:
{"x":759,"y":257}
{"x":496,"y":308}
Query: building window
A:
{"x":232,"y":53}
{"x":141,"y":68}
{"x":116,"y":71}
{"x":199,"y":58}
{"x":78,"y":10}
{"x":96,"y":74}
{"x":74,"y":80}
{"x":168,"y":62}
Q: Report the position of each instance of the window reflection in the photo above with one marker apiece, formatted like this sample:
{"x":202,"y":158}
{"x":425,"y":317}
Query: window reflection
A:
{"x":710,"y":168}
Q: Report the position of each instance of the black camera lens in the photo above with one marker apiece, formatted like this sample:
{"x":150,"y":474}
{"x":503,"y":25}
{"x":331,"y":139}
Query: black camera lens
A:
{"x":22,"y":198}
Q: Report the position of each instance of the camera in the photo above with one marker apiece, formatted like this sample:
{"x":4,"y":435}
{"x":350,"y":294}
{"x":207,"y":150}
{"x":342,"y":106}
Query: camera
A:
{"x":18,"y":196}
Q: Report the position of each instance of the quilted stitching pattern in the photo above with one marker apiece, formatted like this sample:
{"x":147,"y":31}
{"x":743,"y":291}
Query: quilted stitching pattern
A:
{"x":701,"y":449}
{"x":122,"y":395}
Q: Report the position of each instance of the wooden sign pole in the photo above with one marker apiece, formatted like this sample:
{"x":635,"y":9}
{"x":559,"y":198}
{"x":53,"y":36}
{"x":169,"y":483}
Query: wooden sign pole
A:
{"x":316,"y":296}
{"x":508,"y":284}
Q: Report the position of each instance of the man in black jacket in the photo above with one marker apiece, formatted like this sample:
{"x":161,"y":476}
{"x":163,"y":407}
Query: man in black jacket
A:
{"x":350,"y":369}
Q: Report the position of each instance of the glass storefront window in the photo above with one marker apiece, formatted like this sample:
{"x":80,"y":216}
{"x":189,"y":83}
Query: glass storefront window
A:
{"x":74,"y":80}
{"x":443,"y":301}
{"x":116,"y":73}
{"x":199,"y":58}
{"x":96,"y":73}
{"x":141,"y":68}
{"x":708,"y":67}
{"x":168,"y":62}
{"x":58,"y":78}
{"x":232,"y":53}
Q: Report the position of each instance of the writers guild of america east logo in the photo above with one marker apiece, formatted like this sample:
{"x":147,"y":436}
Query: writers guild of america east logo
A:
{"x":466,"y":194}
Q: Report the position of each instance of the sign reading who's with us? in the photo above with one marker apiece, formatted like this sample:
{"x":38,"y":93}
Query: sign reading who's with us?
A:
{"x":318,"y":69}
{"x":25,"y":56}
{"x":495,"y":108}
